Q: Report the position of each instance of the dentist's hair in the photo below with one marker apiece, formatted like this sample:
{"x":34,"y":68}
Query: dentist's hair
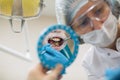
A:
{"x":115,"y":7}
{"x":66,"y":9}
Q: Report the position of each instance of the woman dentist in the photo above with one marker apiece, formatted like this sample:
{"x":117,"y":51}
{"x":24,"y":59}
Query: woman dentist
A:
{"x":96,"y":22}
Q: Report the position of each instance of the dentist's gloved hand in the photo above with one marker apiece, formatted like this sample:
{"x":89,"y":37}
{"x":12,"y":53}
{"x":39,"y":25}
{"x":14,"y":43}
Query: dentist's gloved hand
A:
{"x":51,"y":57}
{"x":113,"y":74}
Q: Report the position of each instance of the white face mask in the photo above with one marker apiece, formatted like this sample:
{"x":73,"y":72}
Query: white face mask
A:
{"x":105,"y":36}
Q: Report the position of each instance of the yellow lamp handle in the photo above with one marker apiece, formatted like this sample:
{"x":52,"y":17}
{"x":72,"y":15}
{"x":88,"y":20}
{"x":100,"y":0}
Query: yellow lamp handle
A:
{"x":17,"y":25}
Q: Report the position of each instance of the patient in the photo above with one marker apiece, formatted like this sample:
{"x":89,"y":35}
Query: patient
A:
{"x":39,"y":70}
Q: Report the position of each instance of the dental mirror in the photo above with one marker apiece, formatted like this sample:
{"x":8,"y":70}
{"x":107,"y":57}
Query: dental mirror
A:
{"x":63,"y":40}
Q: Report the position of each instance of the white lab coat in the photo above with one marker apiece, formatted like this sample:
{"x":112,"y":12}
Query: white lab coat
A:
{"x":97,"y":60}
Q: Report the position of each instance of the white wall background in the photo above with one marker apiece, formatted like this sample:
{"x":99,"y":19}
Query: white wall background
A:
{"x":13,"y":68}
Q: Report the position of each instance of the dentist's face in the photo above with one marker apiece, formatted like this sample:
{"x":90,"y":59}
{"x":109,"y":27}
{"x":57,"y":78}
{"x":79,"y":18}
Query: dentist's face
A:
{"x":90,"y":17}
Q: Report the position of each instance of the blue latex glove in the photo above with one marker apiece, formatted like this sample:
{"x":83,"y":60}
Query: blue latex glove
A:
{"x":50,"y":57}
{"x":113,"y":74}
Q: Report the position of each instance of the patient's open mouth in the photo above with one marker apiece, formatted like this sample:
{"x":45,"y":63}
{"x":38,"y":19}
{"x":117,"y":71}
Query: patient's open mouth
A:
{"x":56,"y":41}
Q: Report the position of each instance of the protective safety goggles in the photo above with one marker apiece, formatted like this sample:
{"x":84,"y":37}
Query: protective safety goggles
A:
{"x":85,"y":22}
{"x":20,"y":10}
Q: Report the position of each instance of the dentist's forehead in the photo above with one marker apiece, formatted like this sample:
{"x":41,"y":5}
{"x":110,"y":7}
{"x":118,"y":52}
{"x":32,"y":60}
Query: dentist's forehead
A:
{"x":87,"y":6}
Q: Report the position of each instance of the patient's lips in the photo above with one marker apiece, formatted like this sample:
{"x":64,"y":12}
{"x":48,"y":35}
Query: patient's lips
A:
{"x":57,"y":39}
{"x":56,"y":42}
